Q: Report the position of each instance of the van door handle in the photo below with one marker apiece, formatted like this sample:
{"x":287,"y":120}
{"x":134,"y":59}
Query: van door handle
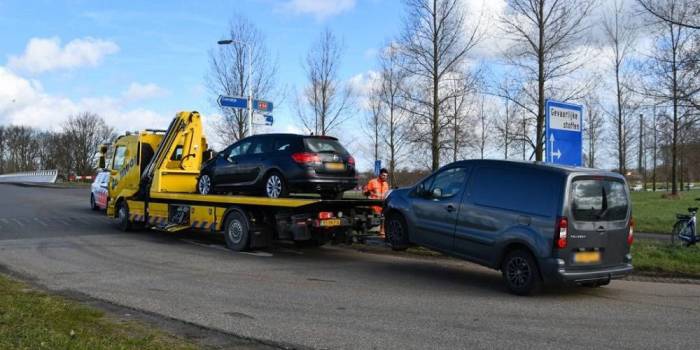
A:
{"x":450,"y":208}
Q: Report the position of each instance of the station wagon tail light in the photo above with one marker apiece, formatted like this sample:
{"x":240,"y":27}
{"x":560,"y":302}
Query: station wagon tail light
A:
{"x":306,"y":157}
{"x":351,"y":160}
{"x":325,"y":215}
{"x":562,"y":232}
{"x":630,"y":233}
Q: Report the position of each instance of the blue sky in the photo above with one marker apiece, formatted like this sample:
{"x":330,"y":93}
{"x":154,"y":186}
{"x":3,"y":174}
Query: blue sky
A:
{"x":147,"y":59}
{"x":164,"y":44}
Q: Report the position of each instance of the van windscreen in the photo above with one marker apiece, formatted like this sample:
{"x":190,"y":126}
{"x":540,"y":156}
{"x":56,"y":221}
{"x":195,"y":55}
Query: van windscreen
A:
{"x":599,"y":200}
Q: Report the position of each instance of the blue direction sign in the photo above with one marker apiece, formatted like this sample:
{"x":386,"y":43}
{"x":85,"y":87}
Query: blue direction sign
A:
{"x":269,"y":120}
{"x":262,"y":106}
{"x":233,"y":102}
{"x":563,"y":134}
{"x":377,"y":167}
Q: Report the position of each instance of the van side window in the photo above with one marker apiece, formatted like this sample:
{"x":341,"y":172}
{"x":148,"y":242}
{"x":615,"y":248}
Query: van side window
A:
{"x":283,"y":144}
{"x":444,"y":184}
{"x":522,"y":190}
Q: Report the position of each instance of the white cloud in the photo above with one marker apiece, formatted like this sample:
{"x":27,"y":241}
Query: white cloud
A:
{"x":46,"y":54}
{"x":321,"y":9}
{"x":24,"y":102}
{"x":139,"y":92}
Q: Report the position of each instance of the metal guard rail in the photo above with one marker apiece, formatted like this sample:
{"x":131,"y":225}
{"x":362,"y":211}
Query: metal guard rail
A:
{"x":39,"y":176}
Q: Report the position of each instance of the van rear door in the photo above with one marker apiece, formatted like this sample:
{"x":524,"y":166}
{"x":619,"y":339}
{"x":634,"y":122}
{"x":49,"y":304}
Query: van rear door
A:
{"x":598,"y":222}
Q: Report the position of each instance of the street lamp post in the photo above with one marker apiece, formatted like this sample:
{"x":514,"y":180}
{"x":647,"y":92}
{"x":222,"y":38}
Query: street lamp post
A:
{"x":250,"y":80}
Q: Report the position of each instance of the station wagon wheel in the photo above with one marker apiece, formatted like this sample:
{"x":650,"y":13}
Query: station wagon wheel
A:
{"x":236,"y":231}
{"x":275,"y":187}
{"x":204,"y":184}
{"x":520,"y":273}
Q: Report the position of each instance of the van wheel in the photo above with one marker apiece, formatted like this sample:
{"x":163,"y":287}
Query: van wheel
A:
{"x":520,"y":273}
{"x":275,"y":186}
{"x":123,"y":216}
{"x":396,"y":232}
{"x":236,"y":231}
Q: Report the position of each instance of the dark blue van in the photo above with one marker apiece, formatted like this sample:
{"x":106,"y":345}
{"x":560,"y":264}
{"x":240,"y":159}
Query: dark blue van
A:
{"x":537,"y":223}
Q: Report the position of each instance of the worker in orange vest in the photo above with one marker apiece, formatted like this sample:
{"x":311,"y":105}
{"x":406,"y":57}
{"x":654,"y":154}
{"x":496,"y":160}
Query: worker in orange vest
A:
{"x":378,"y":188}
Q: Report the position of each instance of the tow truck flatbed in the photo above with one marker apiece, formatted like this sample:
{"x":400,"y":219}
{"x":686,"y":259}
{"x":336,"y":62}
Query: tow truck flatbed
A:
{"x":153,"y":180}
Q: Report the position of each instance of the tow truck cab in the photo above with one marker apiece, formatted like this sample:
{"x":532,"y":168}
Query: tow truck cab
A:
{"x":153,"y":184}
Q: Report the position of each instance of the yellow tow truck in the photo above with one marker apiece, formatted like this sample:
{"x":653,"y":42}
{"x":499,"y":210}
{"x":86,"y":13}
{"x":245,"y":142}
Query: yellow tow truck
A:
{"x":153,"y":185}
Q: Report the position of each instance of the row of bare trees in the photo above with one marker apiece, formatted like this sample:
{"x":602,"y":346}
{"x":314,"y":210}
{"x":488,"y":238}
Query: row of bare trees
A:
{"x":71,"y":149}
{"x":430,"y":101}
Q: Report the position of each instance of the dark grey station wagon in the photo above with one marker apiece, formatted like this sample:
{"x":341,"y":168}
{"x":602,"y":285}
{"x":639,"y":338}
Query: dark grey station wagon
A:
{"x":537,"y":223}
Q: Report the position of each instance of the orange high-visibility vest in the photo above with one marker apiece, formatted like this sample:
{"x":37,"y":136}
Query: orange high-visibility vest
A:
{"x":377,"y":189}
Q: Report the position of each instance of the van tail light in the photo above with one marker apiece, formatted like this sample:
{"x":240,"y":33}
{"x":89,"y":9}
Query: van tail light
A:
{"x":325,"y":215}
{"x":562,"y":232}
{"x":630,"y":233}
{"x":351,"y":160}
{"x":306,"y":157}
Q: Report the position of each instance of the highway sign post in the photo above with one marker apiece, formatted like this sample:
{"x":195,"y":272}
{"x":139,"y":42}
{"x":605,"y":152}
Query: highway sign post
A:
{"x":239,"y":102}
{"x":563,"y":133}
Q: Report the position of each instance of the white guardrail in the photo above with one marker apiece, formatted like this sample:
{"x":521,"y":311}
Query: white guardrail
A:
{"x":39,"y":176}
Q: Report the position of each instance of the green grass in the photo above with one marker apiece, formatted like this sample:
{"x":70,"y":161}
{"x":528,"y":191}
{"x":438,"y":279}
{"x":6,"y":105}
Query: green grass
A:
{"x":660,"y":258}
{"x":653,"y":213}
{"x":30,"y":319}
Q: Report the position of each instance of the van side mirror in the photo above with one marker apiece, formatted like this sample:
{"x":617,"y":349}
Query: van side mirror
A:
{"x":437,"y":192}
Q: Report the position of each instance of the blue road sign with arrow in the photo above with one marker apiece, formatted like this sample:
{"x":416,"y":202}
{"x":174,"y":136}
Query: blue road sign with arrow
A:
{"x":233,"y":102}
{"x":563,"y":133}
{"x":269,"y":120}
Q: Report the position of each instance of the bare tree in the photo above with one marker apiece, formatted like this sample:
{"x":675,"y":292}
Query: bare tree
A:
{"x":21,"y":145}
{"x":546,"y":34}
{"x":434,"y":47}
{"x":374,"y":124}
{"x":660,"y":10}
{"x":620,"y":37}
{"x":325,"y":102}
{"x":2,"y":149}
{"x":391,"y":84}
{"x":85,"y":132}
{"x":672,"y":77}
{"x":459,"y":112}
{"x":593,"y":127}
{"x":229,"y":68}
{"x":483,"y":130}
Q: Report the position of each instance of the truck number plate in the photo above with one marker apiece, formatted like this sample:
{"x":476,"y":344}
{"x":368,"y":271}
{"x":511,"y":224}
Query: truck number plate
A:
{"x":330,"y":222}
{"x":587,"y":257}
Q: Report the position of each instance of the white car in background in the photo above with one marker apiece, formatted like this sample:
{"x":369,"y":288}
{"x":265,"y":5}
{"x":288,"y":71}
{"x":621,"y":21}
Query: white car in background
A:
{"x":99,"y":196}
{"x":637,"y":187}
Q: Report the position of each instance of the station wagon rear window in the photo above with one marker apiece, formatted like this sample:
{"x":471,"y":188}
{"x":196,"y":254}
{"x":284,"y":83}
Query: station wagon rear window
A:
{"x":323,"y":145}
{"x":599,"y":200}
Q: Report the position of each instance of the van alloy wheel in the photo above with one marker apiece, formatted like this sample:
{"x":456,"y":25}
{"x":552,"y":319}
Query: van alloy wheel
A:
{"x":273,"y":187}
{"x":204,"y":184}
{"x":518,"y":271}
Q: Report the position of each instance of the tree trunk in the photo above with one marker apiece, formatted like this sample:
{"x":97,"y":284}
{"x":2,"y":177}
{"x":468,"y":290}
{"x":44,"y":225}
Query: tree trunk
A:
{"x":540,"y":86}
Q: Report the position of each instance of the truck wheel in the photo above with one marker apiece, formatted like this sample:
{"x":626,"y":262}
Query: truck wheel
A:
{"x":93,"y":205}
{"x":520,"y":273}
{"x":275,"y":186}
{"x":236,"y":231}
{"x":123,"y":216}
{"x":204,"y":184}
{"x":396,"y":232}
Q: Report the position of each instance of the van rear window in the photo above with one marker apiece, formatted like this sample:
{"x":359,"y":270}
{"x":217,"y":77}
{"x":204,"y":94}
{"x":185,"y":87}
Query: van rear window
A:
{"x":599,"y":200}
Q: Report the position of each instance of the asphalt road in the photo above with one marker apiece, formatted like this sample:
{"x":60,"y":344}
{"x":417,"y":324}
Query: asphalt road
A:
{"x":329,"y":297}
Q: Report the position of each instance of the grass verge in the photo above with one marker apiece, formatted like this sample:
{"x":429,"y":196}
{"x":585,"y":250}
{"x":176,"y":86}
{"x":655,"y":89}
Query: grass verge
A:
{"x":663,"y":259}
{"x":31,"y":319}
{"x":653,"y":213}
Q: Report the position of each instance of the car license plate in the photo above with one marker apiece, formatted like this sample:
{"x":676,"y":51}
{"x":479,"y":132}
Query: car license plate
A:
{"x":330,"y":222}
{"x":335,"y":166}
{"x":587,"y":257}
